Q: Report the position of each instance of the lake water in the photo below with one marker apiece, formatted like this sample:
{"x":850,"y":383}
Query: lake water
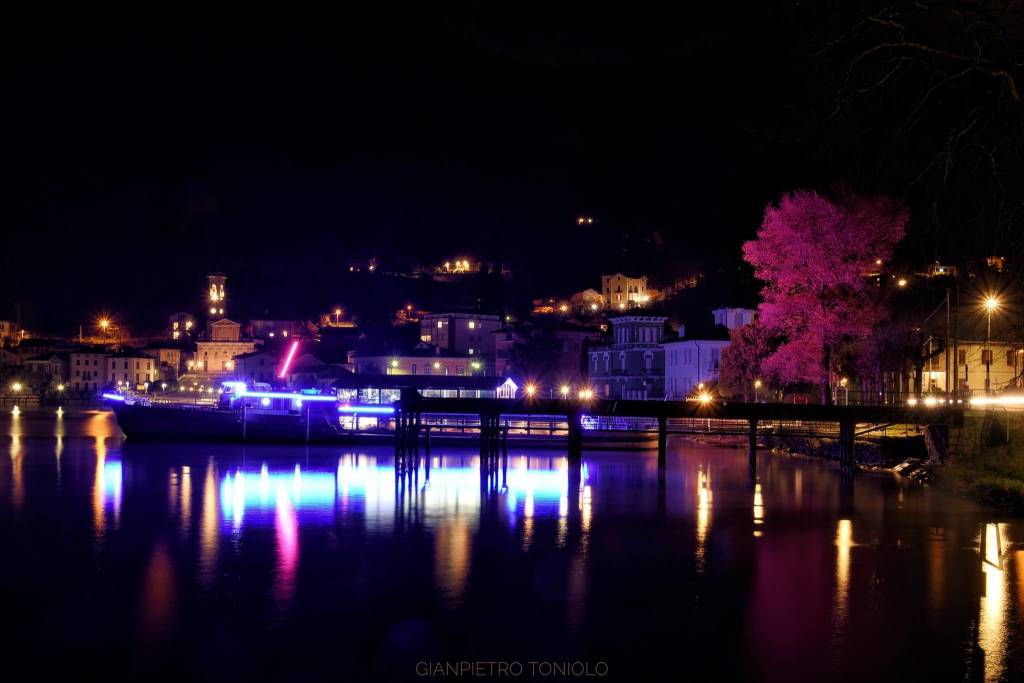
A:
{"x":223,"y":562}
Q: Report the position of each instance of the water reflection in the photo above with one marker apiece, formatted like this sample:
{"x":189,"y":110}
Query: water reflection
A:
{"x":900,"y":582}
{"x":703,"y":514}
{"x":844,"y":541}
{"x":992,"y":631}
{"x":209,"y":531}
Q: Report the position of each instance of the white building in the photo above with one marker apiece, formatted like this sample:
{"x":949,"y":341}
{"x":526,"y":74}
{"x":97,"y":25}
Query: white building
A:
{"x":690,"y":363}
{"x":1005,"y":363}
{"x":731,"y":318}
{"x":131,"y":368}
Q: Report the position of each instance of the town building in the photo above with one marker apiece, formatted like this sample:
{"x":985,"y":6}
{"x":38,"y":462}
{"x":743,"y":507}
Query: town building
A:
{"x":256,"y":366}
{"x":268,"y":330}
{"x":731,"y":318}
{"x":8,"y":333}
{"x":131,"y":368}
{"x":691,"y":364}
{"x":1004,"y":361}
{"x":620,"y":292}
{"x":87,"y":368}
{"x":9,"y":358}
{"x":460,"y":333}
{"x":588,"y":301}
{"x":630,"y":365}
{"x":46,"y":365}
{"x":215,"y":355}
{"x":505,"y":341}
{"x":182,"y":325}
{"x":171,"y":357}
{"x":217,"y":297}
{"x":39,"y":346}
{"x":423,"y":359}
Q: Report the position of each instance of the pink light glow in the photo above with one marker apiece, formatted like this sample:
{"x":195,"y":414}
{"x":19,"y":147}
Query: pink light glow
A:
{"x":288,"y":360}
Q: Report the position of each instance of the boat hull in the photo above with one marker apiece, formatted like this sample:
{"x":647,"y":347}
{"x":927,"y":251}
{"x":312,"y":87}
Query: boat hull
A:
{"x":188,"y":423}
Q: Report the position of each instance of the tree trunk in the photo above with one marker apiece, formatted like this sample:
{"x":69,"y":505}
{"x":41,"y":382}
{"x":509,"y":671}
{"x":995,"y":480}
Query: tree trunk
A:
{"x":826,"y":366}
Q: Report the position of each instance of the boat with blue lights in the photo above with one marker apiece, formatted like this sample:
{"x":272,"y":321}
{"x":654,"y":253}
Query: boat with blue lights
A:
{"x":257,"y":413}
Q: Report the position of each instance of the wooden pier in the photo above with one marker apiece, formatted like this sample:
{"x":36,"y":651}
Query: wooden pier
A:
{"x":729,"y":417}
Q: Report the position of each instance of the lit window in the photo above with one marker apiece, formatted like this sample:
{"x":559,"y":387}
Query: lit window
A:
{"x":472,"y":325}
{"x":440,"y":324}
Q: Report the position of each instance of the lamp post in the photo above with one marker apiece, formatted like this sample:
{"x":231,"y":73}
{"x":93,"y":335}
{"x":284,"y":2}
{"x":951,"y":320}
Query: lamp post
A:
{"x":991,"y":304}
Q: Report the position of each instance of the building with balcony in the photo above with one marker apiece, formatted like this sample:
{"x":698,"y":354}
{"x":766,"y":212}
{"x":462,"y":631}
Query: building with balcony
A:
{"x":630,"y":365}
{"x":620,"y":292}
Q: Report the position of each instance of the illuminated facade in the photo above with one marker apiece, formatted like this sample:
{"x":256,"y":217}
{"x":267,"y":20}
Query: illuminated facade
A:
{"x":620,"y":291}
{"x":182,"y":325}
{"x":215,"y":355}
{"x":216,"y":296}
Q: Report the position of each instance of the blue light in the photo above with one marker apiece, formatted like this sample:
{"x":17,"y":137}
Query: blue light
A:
{"x":291,"y":397}
{"x":369,"y":410}
{"x":113,"y":397}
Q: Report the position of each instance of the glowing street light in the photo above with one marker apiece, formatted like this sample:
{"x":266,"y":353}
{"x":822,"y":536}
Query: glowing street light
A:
{"x":991,"y":305}
{"x":564,"y":390}
{"x":60,"y":387}
{"x":704,"y":398}
{"x":531,"y":389}
{"x":16,"y":387}
{"x":902,"y":282}
{"x":586,"y":394}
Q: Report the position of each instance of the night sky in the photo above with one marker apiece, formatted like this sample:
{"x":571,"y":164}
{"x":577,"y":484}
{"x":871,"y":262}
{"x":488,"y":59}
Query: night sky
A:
{"x":140,"y":158}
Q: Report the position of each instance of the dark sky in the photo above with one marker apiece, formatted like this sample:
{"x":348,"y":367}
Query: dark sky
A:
{"x":139,"y":158}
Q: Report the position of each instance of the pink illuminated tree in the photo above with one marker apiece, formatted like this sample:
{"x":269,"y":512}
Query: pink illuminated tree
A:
{"x":742,"y":360}
{"x":814,"y":253}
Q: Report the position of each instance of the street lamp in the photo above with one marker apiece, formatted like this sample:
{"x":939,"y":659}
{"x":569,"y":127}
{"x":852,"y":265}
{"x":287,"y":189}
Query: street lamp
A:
{"x":16,"y":387}
{"x":757,"y":389}
{"x":991,"y":304}
{"x":564,"y":391}
{"x":531,"y":389}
